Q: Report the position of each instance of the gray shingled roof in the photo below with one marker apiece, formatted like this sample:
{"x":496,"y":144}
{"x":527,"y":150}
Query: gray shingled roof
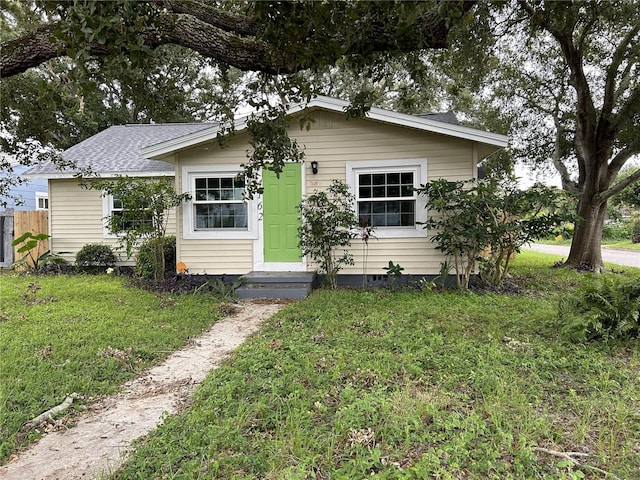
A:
{"x":117,"y":149}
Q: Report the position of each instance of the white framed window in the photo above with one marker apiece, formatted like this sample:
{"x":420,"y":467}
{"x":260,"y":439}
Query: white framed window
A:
{"x":42,"y":201}
{"x":217,"y":208}
{"x":112,"y":206}
{"x":385,"y":195}
{"x":218,"y":203}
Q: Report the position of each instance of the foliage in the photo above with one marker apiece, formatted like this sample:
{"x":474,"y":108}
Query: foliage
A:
{"x":146,"y":262}
{"x":57,"y":105}
{"x":29,"y":246}
{"x":271,"y":146}
{"x":145,"y":213}
{"x":365,"y":232}
{"x":148,"y":61}
{"x":220,"y":288}
{"x":616,"y":231}
{"x":488,"y":217}
{"x":567,"y":80}
{"x":266,"y":36}
{"x":398,"y":384}
{"x":635,"y":231}
{"x":327,"y":224}
{"x":602,"y":309}
{"x":95,"y":257}
{"x":630,"y":196}
{"x":394,"y":272}
{"x":54,"y":343}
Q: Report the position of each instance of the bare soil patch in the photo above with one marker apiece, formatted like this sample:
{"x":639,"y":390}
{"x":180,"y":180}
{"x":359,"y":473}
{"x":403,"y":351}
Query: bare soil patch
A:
{"x":102,"y":437}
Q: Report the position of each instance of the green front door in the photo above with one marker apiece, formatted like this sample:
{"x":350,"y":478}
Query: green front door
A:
{"x":280,"y":216}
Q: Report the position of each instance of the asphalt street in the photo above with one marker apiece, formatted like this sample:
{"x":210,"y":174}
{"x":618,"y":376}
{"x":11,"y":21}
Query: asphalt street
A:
{"x":619,"y":257}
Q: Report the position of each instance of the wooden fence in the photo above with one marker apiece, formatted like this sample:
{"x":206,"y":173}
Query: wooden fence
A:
{"x":14,"y":224}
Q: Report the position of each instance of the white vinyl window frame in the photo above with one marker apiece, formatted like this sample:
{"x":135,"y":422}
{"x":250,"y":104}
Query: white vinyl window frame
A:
{"x":189,"y":231}
{"x":416,"y":166}
{"x":107,"y":211}
{"x":42,"y":201}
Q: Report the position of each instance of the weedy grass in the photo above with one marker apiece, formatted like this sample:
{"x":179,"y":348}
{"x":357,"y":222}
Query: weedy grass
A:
{"x":623,"y":245}
{"x":81,"y":334}
{"x":614,"y":244}
{"x":398,"y":384}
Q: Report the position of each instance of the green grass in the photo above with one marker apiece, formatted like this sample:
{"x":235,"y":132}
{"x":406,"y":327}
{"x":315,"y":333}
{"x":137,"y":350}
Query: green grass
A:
{"x":623,"y":245}
{"x":82,"y":334}
{"x":617,"y":244}
{"x":353,"y":384}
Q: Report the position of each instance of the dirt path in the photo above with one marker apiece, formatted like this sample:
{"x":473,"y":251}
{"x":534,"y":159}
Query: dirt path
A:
{"x":103,"y":435}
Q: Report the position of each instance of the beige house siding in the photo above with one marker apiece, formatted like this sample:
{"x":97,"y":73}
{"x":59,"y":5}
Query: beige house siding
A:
{"x":333,"y":141}
{"x":212,"y":256}
{"x":217,"y":257}
{"x":76,"y":219}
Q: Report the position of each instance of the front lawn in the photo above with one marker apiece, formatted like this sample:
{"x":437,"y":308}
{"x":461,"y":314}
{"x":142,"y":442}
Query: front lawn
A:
{"x":81,"y":334}
{"x":350,"y":384}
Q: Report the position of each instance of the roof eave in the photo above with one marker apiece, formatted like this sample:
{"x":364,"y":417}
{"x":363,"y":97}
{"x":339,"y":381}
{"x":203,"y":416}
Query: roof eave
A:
{"x":59,"y":176}
{"x":337,"y":105}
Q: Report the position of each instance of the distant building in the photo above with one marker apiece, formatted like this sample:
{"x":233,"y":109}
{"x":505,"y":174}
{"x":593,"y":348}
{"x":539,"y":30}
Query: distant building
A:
{"x":33,"y":193}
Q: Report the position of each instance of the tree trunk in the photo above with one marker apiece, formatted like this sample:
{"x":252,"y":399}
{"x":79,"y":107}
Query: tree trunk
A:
{"x":587,"y":239}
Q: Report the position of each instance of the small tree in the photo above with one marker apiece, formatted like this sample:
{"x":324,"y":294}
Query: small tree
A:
{"x":488,"y":218}
{"x":458,"y":228}
{"x":328,"y":223}
{"x":144,"y":214}
{"x":516,"y":217}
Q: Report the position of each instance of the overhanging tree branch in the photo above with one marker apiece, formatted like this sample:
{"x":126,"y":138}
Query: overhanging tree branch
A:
{"x":226,"y":21}
{"x":621,"y":158}
{"x":233,"y":40}
{"x":629,"y":108}
{"x":618,"y":187}
{"x":612,"y":71}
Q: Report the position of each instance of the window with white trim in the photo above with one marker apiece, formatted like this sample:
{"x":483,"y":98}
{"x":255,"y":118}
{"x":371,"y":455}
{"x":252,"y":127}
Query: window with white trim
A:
{"x":115,"y":208}
{"x":217,"y":209}
{"x":42,"y":201}
{"x":218,"y":203}
{"x":386,"y":199}
{"x":385,"y":195}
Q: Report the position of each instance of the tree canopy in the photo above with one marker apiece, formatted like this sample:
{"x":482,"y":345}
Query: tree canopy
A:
{"x":272,"y":37}
{"x":571,"y":84}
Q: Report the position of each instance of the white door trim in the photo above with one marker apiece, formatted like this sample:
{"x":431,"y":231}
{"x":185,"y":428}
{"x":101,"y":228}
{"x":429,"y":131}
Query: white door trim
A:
{"x":259,"y":265}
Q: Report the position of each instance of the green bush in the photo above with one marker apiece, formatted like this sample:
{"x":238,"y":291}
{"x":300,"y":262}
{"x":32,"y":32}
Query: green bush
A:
{"x":145,"y":260}
{"x":616,"y":231}
{"x":602,"y":309}
{"x":95,"y":258}
{"x":635,"y":231}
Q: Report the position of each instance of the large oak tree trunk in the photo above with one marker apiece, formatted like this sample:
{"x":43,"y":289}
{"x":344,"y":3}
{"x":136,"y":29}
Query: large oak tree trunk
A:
{"x":587,"y":239}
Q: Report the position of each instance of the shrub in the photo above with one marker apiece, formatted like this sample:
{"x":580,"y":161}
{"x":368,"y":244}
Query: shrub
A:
{"x":635,"y":231}
{"x":491,"y":218}
{"x":601,"y":310}
{"x":328,"y":223}
{"x":95,"y":258}
{"x":616,"y":231}
{"x":146,"y":266}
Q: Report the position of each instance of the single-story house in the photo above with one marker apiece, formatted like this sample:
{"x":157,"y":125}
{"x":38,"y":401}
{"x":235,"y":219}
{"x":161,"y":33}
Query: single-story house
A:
{"x":381,"y":157}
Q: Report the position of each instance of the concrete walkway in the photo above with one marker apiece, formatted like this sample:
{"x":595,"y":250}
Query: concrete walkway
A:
{"x":102,"y":438}
{"x":626,"y":258}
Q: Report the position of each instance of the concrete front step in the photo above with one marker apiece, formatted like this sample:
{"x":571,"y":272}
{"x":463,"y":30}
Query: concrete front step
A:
{"x":285,"y":285}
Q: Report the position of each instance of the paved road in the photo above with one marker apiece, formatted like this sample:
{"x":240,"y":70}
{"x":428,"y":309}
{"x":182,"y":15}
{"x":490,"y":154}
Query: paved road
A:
{"x":619,"y":257}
